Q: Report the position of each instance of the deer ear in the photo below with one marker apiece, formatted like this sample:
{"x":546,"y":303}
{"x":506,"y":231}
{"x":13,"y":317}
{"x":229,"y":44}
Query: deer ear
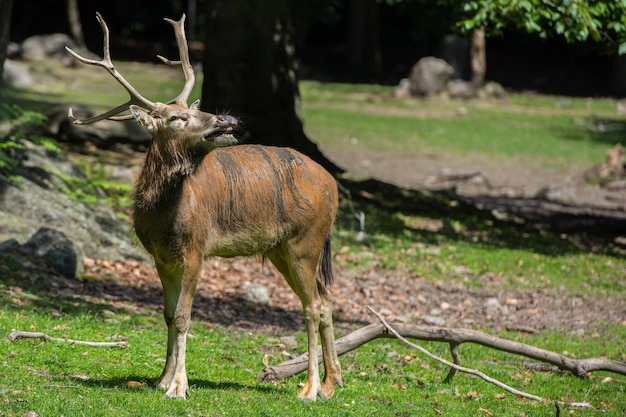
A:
{"x":195,"y":105}
{"x":142,"y":116}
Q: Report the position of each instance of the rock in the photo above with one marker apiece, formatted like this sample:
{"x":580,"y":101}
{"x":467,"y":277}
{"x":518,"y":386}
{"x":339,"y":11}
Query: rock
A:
{"x":257,"y":293}
{"x":403,"y":89}
{"x":56,"y":251}
{"x":14,"y":50}
{"x":37,"y":200}
{"x":461,"y":89}
{"x":429,"y":76}
{"x":493,"y":90}
{"x":8,"y":245}
{"x":40,"y":47}
{"x":493,"y":308}
{"x":17,"y":75}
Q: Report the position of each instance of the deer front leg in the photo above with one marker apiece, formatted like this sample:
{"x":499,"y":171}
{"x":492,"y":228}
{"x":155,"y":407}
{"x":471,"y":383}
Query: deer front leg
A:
{"x":312,"y":387}
{"x":179,"y":285}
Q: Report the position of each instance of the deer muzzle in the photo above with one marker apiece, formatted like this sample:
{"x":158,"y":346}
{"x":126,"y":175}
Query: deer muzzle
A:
{"x":221,"y":131}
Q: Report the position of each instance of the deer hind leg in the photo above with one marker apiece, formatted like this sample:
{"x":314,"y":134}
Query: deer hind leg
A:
{"x":297,"y":261}
{"x":332,"y":368}
{"x":179,"y":285}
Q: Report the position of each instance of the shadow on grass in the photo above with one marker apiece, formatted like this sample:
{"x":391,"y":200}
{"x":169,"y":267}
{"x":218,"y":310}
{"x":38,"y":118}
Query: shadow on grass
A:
{"x":149,"y":384}
{"x":593,"y":129}
{"x":536,"y":224}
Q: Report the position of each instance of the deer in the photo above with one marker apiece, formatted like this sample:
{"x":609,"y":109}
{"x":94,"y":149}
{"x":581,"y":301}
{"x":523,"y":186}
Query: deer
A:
{"x":201,"y":194}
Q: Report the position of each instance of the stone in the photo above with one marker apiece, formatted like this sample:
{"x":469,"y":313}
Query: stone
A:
{"x":429,"y":76}
{"x":257,"y":293}
{"x":17,"y":75}
{"x":56,"y":251}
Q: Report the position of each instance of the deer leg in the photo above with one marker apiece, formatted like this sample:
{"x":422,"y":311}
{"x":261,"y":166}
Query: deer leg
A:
{"x":179,"y":293}
{"x":332,"y":368}
{"x":299,"y":272}
{"x":170,"y":280}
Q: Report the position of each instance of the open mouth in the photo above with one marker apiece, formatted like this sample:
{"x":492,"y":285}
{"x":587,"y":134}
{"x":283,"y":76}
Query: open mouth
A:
{"x":224,"y":127}
{"x":212,"y":134}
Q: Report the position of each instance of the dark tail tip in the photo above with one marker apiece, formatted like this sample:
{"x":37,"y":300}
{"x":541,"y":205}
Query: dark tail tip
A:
{"x":326,"y":264}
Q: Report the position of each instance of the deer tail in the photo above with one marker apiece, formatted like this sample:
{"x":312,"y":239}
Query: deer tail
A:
{"x":326,"y":265}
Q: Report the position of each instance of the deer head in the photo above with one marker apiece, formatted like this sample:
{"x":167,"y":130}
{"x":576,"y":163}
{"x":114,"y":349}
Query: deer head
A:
{"x":174,"y":120}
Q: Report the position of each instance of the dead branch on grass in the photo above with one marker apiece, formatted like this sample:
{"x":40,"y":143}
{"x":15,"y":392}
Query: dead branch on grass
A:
{"x":16,"y":334}
{"x":454,"y":337}
{"x":577,"y":405}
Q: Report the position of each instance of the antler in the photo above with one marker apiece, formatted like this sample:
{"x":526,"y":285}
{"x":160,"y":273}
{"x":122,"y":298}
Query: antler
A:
{"x":106,"y":63}
{"x":183,"y":51}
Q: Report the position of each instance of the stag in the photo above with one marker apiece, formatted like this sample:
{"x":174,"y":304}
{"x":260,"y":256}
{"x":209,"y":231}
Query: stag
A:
{"x":196,"y":196}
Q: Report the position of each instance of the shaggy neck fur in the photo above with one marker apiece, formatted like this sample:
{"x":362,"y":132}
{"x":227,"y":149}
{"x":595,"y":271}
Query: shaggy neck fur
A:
{"x":166,"y":166}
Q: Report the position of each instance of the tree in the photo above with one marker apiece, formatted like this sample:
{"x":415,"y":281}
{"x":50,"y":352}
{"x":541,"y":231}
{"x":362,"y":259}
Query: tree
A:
{"x":73,"y":17}
{"x":574,"y":20}
{"x":5,"y":24}
{"x":250,"y":70}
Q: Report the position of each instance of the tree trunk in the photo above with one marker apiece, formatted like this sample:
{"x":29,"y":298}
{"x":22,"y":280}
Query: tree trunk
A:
{"x":363,"y":46}
{"x":250,"y":71}
{"x":478,"y":51}
{"x":5,"y":24}
{"x":76,"y":27}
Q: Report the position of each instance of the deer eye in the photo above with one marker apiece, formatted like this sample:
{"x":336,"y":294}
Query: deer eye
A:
{"x":173,"y":118}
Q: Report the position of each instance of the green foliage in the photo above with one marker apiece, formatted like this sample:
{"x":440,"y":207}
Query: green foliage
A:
{"x":95,"y":186}
{"x":18,"y":121}
{"x":574,"y":20}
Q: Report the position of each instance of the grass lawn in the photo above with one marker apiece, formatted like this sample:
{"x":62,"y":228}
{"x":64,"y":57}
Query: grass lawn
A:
{"x":382,"y":378}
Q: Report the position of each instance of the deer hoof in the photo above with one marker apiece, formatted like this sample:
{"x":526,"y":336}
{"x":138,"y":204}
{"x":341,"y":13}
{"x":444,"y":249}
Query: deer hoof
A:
{"x":177,"y":391}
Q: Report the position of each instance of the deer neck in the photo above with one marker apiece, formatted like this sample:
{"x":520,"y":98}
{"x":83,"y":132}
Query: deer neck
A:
{"x":164,"y":170}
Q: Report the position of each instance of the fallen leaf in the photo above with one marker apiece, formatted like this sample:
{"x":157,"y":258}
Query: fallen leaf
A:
{"x":134,"y":384}
{"x":485,"y":411}
{"x":471,"y":394}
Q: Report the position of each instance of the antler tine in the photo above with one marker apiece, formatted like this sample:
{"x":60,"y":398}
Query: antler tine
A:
{"x":183,"y":51}
{"x":106,"y":63}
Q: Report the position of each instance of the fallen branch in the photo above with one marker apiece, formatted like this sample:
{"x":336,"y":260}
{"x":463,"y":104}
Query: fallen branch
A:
{"x":16,"y":334}
{"x":578,"y":405}
{"x":454,"y":365}
{"x":455,"y":337}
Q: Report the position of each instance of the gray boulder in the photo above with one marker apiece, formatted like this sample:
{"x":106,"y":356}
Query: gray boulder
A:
{"x":37,"y":200}
{"x":429,"y":76}
{"x":17,"y":75}
{"x":56,"y":251}
{"x":41,"y":47}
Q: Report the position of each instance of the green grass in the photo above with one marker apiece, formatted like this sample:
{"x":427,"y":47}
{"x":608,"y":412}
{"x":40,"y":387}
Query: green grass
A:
{"x":530,"y":128}
{"x":382,"y":378}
